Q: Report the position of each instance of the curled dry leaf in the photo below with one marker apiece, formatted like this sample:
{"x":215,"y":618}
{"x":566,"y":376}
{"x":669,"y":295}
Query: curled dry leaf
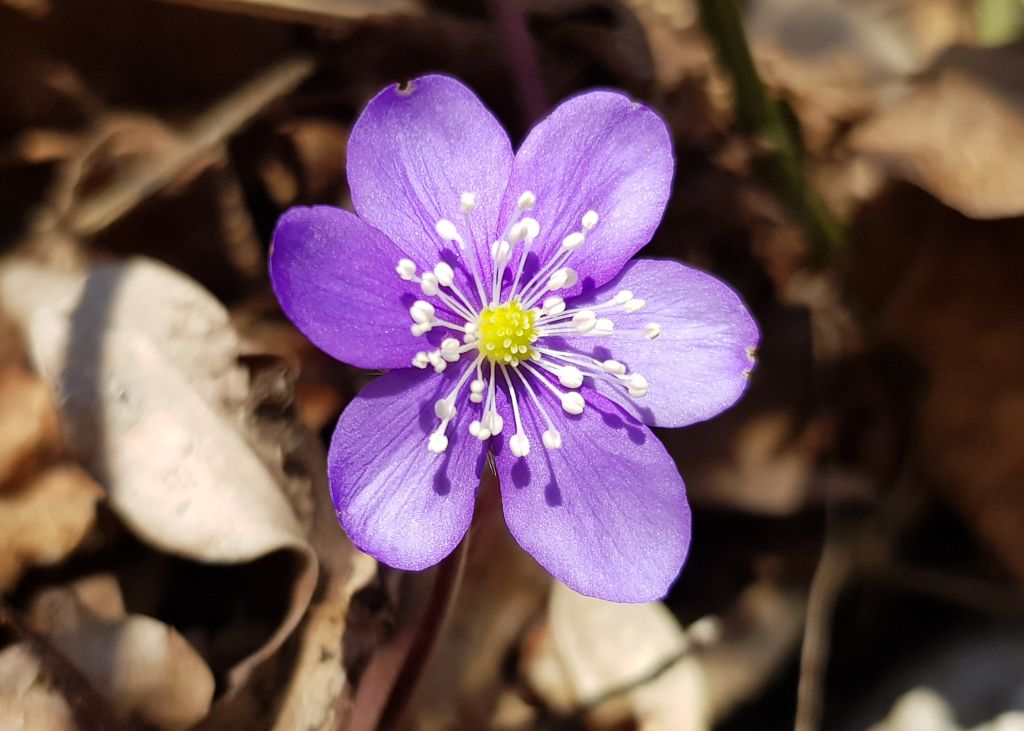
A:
{"x":958,"y":133}
{"x":28,"y":702}
{"x":43,"y":521}
{"x":144,"y":363}
{"x":596,"y":654}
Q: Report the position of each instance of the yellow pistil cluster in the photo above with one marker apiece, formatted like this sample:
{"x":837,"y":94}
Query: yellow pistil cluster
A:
{"x":506,"y":333}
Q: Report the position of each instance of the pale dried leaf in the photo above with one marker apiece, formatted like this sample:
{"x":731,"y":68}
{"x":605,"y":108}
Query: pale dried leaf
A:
{"x":958,"y":134}
{"x":152,"y":397}
{"x":144,"y":667}
{"x":28,"y":702}
{"x":637,"y":651}
{"x":41,"y":523}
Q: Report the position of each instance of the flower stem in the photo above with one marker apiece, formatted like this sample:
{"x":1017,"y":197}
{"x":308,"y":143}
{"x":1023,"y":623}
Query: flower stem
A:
{"x":521,"y":55}
{"x":761,"y":117}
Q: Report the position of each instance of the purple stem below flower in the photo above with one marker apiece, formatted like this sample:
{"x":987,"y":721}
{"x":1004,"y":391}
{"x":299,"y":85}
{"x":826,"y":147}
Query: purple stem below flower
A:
{"x":521,"y":55}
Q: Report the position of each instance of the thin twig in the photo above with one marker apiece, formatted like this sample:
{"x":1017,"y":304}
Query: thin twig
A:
{"x":760,"y":116}
{"x":203,"y":137}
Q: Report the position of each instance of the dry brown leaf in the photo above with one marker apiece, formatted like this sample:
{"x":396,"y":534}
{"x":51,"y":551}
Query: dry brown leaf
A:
{"x":41,"y":523}
{"x":28,"y":702}
{"x":958,"y":133}
{"x":947,"y":290}
{"x":635,"y":652}
{"x":153,"y":399}
{"x":28,"y":422}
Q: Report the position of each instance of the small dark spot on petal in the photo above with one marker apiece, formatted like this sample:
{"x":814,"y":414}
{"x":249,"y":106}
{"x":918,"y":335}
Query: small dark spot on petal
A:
{"x":405,"y":88}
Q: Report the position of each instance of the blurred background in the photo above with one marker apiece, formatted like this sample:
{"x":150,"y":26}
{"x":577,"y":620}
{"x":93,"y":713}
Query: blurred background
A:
{"x":169,"y":558}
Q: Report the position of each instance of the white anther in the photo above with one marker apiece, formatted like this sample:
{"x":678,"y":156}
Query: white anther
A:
{"x":573,"y":402}
{"x":584,"y":320}
{"x":437,"y":443}
{"x":420,"y":360}
{"x":604,"y":326}
{"x":450,"y":349}
{"x":444,"y":409}
{"x":634,"y":305}
{"x":652,"y":330}
{"x":532,"y":228}
{"x":437,"y":361}
{"x":428,"y":284}
{"x":573,"y":241}
{"x":526,"y":201}
{"x":406,"y":269}
{"x":467,"y":201}
{"x":494,"y":423}
{"x":421,"y":311}
{"x":447,"y":231}
{"x":570,"y":376}
{"x":421,"y":328}
{"x":553,"y":305}
{"x":637,"y":386}
{"x":613,"y":366}
{"x":562,"y":278}
{"x":479,"y":431}
{"x":589,"y":220}
{"x":476,"y":391}
{"x":519,"y":444}
{"x":622,"y":297}
{"x":500,"y":250}
{"x":552,"y":439}
{"x":444,"y":273}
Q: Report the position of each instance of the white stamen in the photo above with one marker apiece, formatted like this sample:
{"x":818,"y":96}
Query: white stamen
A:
{"x":494,"y":423}
{"x":634,"y":305}
{"x":570,"y":376}
{"x":451,"y":349}
{"x":444,"y":409}
{"x":553,"y":305}
{"x":604,"y":326}
{"x":444,"y":273}
{"x":447,"y":231}
{"x":584,"y":320}
{"x":637,"y":386}
{"x":589,"y":220}
{"x":564,"y":277}
{"x":526,"y":201}
{"x":437,"y":361}
{"x":421,"y":328}
{"x":613,"y":366}
{"x":519,"y":444}
{"x":406,"y":269}
{"x":573,"y":241}
{"x":621,"y":298}
{"x":429,"y":284}
{"x":476,"y":391}
{"x":420,"y":360}
{"x":573,"y":403}
{"x":500,"y":251}
{"x":479,"y":431}
{"x":652,"y":330}
{"x":552,"y":439}
{"x":437,"y":443}
{"x":468,"y":201}
{"x":422,"y":312}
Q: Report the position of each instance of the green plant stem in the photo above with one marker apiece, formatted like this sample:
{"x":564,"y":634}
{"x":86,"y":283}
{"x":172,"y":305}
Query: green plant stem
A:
{"x":761,"y":117}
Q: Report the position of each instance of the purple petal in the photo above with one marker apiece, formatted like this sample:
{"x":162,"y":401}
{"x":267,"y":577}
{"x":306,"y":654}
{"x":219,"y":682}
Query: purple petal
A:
{"x":400,"y":503}
{"x":413,"y":153}
{"x":699,"y":365}
{"x":606,"y":514}
{"x":599,"y":151}
{"x":335,"y":279}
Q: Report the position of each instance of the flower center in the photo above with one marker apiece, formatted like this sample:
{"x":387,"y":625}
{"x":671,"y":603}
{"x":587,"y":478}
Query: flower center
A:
{"x":506,"y":333}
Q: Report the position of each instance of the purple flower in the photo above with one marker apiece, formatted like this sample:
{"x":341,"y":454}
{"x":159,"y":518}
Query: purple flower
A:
{"x":499,"y":288}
